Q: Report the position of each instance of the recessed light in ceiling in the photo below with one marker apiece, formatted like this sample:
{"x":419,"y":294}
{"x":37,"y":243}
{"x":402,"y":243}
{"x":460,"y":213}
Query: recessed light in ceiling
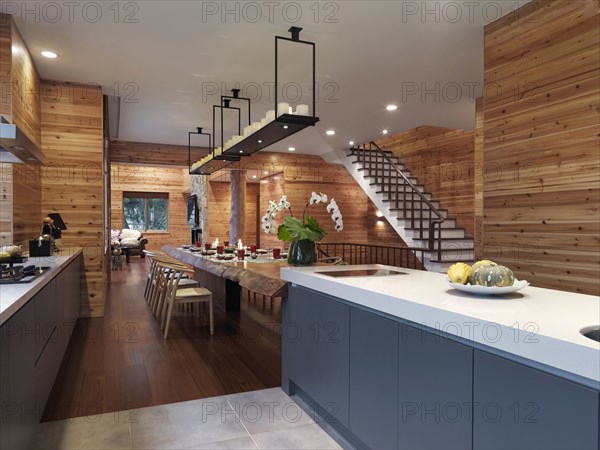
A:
{"x":351,"y":143}
{"x":260,"y":141}
{"x":241,"y":151}
{"x":292,"y":149}
{"x":49,"y":54}
{"x":330,"y":132}
{"x":391,"y":107}
{"x":285,"y":127}
{"x":253,"y":176}
{"x":385,"y":131}
{"x":266,"y":173}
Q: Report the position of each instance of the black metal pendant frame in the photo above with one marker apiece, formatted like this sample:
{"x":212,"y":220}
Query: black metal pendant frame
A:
{"x":282,"y":127}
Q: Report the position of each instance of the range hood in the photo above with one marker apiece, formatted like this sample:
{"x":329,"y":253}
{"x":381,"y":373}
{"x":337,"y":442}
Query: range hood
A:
{"x":16,"y":147}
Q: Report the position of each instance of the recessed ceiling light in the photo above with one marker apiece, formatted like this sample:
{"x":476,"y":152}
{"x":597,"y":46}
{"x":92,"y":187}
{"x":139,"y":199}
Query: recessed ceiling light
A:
{"x":241,"y":151}
{"x":391,"y":107}
{"x":260,"y":141}
{"x":285,"y":127}
{"x":266,"y":173}
{"x":351,"y":143}
{"x":292,"y":149}
{"x":253,"y":176}
{"x":330,"y":132}
{"x":385,"y":131}
{"x":49,"y":54}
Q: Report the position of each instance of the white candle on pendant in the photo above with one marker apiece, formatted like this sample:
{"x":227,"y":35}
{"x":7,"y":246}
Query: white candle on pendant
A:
{"x":282,"y":108}
{"x":302,"y":110}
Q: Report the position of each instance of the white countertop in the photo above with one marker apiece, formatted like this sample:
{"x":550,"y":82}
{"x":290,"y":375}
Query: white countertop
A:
{"x":538,"y":324}
{"x":14,"y":296}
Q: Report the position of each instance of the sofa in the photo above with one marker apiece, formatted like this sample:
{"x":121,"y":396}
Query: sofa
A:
{"x":134,"y":241}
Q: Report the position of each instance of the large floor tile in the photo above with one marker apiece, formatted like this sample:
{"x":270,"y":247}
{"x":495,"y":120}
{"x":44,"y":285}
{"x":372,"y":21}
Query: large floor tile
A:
{"x":105,"y":431}
{"x":304,"y":437}
{"x":234,"y":444}
{"x":186,"y":425}
{"x":268,"y":410}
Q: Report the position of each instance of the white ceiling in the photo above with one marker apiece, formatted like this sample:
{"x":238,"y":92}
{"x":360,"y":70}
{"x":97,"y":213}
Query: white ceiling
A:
{"x":372,"y":54}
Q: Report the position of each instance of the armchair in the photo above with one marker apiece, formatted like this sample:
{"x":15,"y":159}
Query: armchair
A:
{"x":135,"y":241}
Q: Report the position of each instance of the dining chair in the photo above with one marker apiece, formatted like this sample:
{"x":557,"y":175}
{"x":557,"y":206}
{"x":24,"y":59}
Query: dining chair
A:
{"x":175,"y":296}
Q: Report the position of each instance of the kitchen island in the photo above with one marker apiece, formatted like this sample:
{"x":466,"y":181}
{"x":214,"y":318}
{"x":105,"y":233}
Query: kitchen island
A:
{"x":37,"y":322}
{"x":406,"y":361}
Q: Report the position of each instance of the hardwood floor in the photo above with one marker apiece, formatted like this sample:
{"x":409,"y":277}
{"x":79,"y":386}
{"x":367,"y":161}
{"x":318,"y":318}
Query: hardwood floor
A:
{"x":121,"y":361}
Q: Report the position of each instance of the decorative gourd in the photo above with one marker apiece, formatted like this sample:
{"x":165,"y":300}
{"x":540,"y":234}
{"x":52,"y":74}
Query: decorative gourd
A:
{"x":491,"y":275}
{"x":459,"y":273}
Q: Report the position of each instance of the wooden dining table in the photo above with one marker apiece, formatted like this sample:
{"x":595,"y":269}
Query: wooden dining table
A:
{"x":226,"y":279}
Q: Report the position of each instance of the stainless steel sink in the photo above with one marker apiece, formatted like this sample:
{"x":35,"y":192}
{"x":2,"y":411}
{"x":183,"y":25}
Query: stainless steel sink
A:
{"x":360,"y":273}
{"x":592,"y":333}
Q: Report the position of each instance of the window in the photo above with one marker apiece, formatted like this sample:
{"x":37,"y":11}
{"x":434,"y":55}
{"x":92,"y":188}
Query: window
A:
{"x":146,"y":211}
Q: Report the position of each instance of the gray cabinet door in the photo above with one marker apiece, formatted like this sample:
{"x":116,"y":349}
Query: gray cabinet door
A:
{"x":315,"y":354}
{"x":435,"y":391}
{"x":374,"y":379}
{"x":23,"y":412}
{"x":517,"y":407}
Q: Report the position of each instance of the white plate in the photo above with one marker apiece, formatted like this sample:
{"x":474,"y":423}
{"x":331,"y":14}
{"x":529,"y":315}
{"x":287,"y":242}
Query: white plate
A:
{"x":492,"y":290}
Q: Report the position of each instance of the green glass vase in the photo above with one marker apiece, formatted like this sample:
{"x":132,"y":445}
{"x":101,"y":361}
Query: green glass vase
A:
{"x":302,"y":253}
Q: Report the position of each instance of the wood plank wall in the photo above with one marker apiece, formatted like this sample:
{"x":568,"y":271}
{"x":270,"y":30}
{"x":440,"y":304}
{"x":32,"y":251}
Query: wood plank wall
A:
{"x":297,"y":176}
{"x":219,"y":198}
{"x":479,"y":166}
{"x":27,"y":206}
{"x":6,"y":204}
{"x":541,"y":128}
{"x":25,"y":90}
{"x":72,"y":184}
{"x":442,"y":159}
{"x":6,"y":65}
{"x":142,"y":153}
{"x":136,"y":178}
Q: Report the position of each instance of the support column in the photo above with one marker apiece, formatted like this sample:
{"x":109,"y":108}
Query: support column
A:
{"x":237,"y":221}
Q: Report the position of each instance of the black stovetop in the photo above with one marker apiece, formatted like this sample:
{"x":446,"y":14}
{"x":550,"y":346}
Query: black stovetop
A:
{"x":21,"y":274}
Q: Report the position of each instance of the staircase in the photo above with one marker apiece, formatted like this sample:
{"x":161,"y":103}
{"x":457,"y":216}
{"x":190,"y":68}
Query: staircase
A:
{"x":417,"y":218}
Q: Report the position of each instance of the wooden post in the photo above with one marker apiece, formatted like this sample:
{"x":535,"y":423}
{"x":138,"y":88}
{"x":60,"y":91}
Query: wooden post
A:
{"x":237,"y":221}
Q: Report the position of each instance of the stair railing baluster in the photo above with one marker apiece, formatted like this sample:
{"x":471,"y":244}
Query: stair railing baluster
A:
{"x":408,"y":186}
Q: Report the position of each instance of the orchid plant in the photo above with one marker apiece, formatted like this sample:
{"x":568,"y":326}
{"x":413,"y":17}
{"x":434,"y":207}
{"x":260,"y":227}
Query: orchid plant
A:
{"x":294,"y":229}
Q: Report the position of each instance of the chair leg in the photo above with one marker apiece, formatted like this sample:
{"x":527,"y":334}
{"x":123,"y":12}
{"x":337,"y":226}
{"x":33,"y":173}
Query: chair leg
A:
{"x":210,"y":314}
{"x":168,"y":319}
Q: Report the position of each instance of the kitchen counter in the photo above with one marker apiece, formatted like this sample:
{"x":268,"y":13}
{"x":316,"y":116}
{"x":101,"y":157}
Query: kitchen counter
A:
{"x":540,"y":326}
{"x":15,"y":296}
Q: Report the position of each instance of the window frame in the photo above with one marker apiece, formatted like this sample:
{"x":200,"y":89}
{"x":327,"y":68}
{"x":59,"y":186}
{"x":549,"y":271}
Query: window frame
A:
{"x":147,"y":196}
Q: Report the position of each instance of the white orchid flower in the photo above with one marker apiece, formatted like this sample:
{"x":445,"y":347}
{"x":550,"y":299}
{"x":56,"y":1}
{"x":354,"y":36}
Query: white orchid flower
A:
{"x":332,"y":206}
{"x":323,"y":198}
{"x":337,"y":215}
{"x":314,"y":199}
{"x":339,"y":225}
{"x":265,"y":218}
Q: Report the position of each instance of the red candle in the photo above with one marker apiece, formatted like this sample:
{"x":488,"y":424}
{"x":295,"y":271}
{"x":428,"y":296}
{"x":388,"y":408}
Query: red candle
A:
{"x":253,"y":249}
{"x":241,"y":253}
{"x":220,"y":249}
{"x":207,"y":246}
{"x":276,"y":253}
{"x":199,"y":244}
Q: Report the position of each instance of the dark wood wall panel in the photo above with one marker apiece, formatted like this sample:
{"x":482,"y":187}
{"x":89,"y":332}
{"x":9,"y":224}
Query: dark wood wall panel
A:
{"x":72,"y":182}
{"x":541,"y":128}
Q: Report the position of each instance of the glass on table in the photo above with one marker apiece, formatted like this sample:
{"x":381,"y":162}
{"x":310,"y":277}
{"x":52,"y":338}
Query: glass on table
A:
{"x":276,"y":253}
